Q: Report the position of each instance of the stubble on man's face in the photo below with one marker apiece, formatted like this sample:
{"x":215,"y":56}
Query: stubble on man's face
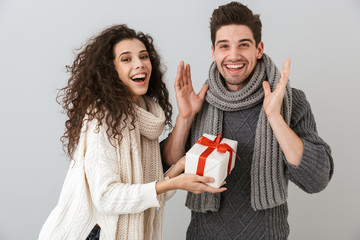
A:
{"x":236,"y":54}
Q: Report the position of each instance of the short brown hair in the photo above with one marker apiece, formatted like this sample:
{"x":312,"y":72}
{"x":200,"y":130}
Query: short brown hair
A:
{"x":235,"y":13}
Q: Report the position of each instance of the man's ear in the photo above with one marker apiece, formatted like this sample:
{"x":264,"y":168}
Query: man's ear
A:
{"x":260,"y":50}
{"x":213,"y":53}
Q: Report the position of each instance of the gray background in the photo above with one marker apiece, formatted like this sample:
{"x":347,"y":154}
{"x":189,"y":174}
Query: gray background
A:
{"x":37,"y":38}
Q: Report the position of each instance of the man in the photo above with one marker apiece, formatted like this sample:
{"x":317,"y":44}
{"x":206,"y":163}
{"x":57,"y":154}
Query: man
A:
{"x":248,"y":100}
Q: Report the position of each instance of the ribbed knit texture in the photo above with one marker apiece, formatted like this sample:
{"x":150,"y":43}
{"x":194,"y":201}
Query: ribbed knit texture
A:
{"x":142,"y":164}
{"x":113,"y":187}
{"x":268,"y":182}
{"x":235,"y":218}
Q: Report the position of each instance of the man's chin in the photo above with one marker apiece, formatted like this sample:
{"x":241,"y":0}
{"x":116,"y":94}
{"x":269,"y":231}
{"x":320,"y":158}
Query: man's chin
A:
{"x":235,"y":84}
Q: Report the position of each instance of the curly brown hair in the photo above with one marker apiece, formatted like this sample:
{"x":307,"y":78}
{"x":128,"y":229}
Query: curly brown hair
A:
{"x":94,"y":90}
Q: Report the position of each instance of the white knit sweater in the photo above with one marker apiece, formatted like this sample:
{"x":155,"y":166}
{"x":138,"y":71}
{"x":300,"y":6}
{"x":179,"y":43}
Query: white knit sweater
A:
{"x":113,"y":187}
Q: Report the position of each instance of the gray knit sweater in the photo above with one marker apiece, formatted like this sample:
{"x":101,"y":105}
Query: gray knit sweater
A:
{"x":236,"y":219}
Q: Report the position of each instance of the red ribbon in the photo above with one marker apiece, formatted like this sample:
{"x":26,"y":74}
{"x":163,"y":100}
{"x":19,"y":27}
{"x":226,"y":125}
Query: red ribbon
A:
{"x":212,"y":145}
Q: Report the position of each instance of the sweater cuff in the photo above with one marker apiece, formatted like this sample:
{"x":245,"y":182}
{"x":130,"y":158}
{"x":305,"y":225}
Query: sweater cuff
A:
{"x":170,"y":193}
{"x":150,"y":190}
{"x":313,"y":172}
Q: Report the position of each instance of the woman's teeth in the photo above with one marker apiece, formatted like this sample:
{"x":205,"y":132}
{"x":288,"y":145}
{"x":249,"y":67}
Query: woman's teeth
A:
{"x":138,"y":77}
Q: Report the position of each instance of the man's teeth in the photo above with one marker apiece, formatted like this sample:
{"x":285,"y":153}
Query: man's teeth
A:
{"x":235,"y":66}
{"x":138,"y":76}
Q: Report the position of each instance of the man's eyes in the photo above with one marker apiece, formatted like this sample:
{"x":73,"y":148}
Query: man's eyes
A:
{"x":242,"y":45}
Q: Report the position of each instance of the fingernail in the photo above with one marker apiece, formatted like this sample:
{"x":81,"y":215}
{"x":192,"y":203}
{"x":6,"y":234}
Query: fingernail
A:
{"x":211,"y":179}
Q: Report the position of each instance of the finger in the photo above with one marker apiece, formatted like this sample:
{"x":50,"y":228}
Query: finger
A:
{"x":178,"y":78}
{"x":266,"y":87}
{"x":204,"y":179}
{"x":218,"y":190}
{"x":203,"y":91}
{"x":184,"y":76}
{"x":188,"y":74}
{"x":215,"y":190}
{"x":285,"y":73}
{"x":286,"y":66}
{"x":224,"y":182}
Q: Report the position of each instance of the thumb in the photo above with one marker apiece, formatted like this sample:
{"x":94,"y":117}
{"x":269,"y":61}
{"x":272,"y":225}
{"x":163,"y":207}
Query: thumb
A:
{"x":266,"y":87}
{"x":203,"y":91}
{"x":206,"y":179}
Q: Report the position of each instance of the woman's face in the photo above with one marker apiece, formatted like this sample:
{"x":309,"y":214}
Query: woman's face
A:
{"x":132,"y":63}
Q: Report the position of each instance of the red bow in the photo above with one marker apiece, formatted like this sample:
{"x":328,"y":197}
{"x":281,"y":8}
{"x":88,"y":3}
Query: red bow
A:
{"x":212,"y":145}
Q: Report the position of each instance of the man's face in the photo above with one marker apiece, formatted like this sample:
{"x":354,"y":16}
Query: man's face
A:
{"x":236,"y":54}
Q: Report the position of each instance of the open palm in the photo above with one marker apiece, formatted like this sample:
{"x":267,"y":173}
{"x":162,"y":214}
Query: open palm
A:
{"x":273,"y":100}
{"x":189,"y":103}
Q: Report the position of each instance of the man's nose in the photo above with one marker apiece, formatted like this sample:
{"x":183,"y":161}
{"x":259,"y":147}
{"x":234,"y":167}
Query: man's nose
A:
{"x":234,"y":54}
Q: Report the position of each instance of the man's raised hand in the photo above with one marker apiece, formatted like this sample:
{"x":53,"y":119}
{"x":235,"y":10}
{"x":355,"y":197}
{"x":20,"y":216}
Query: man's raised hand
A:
{"x":189,"y":103}
{"x":273,"y":100}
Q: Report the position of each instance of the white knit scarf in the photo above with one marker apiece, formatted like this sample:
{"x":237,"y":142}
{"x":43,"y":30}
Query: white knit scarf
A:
{"x":140,"y":162}
{"x":268,"y":181}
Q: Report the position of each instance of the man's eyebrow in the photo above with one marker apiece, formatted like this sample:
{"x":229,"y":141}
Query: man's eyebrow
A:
{"x":241,"y":40}
{"x":221,"y":41}
{"x":246,"y":40}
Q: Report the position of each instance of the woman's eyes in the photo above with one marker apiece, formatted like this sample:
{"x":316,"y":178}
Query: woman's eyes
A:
{"x":128,"y":59}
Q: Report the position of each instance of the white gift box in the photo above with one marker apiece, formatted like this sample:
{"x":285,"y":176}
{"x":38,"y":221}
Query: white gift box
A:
{"x":216,"y":164}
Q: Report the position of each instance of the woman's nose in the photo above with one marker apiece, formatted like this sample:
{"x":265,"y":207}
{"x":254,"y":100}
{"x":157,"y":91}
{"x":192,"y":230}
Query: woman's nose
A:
{"x":138,"y":63}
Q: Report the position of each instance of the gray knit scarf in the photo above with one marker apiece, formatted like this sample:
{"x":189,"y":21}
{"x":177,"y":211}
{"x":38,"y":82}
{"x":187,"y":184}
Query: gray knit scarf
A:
{"x":268,"y":182}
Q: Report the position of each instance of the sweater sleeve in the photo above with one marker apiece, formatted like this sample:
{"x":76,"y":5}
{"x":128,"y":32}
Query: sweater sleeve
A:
{"x":165,"y":165}
{"x":108,"y":193}
{"x":316,"y":165}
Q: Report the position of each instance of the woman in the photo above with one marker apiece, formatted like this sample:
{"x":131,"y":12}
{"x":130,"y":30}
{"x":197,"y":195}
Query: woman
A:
{"x":117,"y":105}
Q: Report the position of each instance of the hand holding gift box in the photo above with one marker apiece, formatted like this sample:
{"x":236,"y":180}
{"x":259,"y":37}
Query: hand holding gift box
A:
{"x":212,"y":156}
